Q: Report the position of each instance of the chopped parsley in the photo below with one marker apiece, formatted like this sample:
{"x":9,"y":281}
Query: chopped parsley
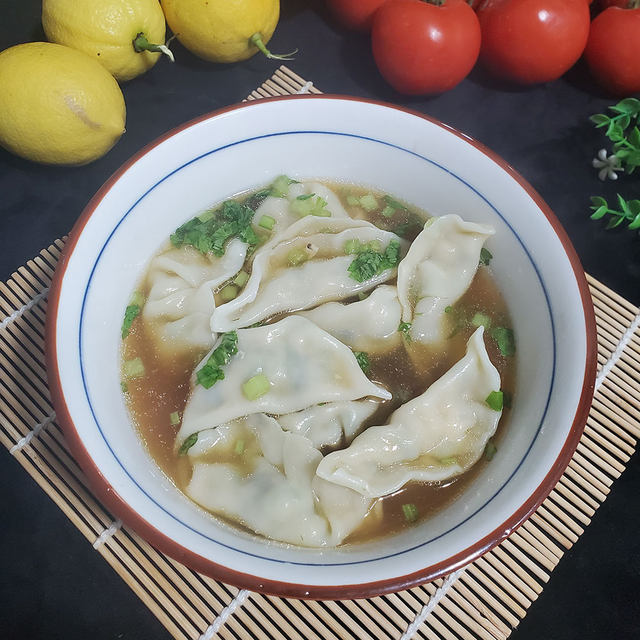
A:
{"x":132,"y":312}
{"x":504,"y":339}
{"x":405,"y":328}
{"x":212,"y":371}
{"x":363,"y":360}
{"x":485,"y":257}
{"x":369,"y":262}
{"x":210,"y":232}
{"x":187,"y":444}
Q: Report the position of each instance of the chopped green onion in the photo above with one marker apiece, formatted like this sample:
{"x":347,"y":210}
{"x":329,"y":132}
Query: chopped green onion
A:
{"x":306,"y":196}
{"x":448,"y":309}
{"x":239,"y":448}
{"x":256,"y":386}
{"x":485,"y":257}
{"x":174,"y":418}
{"x":267,"y":222}
{"x":133,"y":368}
{"x":404,"y":328}
{"x":211,"y":372}
{"x":123,"y":387}
{"x":490,"y":450}
{"x":369,"y":202}
{"x":353,"y":201}
{"x":280,"y":186}
{"x":447,"y":462}
{"x":241,"y":279}
{"x":505,"y":340}
{"x":481,"y":319}
{"x":206,"y":216}
{"x":507,"y":398}
{"x":132,"y":312}
{"x":137,"y":298}
{"x":352,"y":246}
{"x":410,"y":512}
{"x":229,"y":292}
{"x":394,"y":204}
{"x":362,"y":296}
{"x":388,"y":211}
{"x":296,"y":257}
{"x":363,"y":360}
{"x":187,"y":444}
{"x":495,"y":400}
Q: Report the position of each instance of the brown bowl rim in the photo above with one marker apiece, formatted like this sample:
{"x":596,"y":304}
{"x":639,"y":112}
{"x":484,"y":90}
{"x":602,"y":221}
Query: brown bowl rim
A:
{"x":167,"y":545}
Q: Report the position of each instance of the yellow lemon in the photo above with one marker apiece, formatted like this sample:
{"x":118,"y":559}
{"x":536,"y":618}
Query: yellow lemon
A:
{"x":121,"y":34}
{"x":223,"y":30}
{"x":57,"y":105}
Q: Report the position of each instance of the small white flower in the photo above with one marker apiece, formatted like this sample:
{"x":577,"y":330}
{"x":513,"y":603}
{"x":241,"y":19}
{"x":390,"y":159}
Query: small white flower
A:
{"x":608,"y":165}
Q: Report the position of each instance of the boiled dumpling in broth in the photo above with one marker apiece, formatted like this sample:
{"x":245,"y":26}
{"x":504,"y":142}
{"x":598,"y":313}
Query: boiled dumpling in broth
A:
{"x":432,"y":438}
{"x":369,"y":325}
{"x":331,"y":423}
{"x":268,"y":484}
{"x":438,"y":268}
{"x":306,"y":265}
{"x":301,"y":364}
{"x":279,"y":212}
{"x":181,"y":300}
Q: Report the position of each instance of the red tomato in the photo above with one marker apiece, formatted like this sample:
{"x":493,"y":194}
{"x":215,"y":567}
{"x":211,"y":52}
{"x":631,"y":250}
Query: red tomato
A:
{"x":531,"y":41}
{"x":355,"y":14}
{"x":422,"y":48}
{"x":612,"y":50}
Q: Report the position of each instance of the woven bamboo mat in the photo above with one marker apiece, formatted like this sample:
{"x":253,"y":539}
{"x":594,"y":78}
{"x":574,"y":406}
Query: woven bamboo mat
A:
{"x":485,"y":600}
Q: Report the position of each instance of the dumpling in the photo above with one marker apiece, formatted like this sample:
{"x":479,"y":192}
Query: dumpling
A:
{"x":331,"y":423}
{"x":282,"y":213}
{"x":438,"y":268}
{"x":268,"y":484}
{"x":306,"y":265}
{"x":431,"y":438}
{"x":181,"y":285}
{"x":369,"y":325}
{"x":303,"y":364}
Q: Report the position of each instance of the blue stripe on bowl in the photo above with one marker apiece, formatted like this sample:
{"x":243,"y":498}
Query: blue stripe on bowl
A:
{"x":325,"y":133}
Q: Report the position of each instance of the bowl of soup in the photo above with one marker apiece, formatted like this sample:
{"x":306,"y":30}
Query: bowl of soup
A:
{"x":320,"y":347}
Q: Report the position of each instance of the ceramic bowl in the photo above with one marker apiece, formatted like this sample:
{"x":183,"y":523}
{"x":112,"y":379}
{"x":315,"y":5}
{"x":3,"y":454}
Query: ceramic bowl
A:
{"x":339,"y":139}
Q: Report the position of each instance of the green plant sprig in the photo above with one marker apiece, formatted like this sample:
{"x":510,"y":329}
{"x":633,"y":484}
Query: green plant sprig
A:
{"x":622,"y":130}
{"x":629,"y":212}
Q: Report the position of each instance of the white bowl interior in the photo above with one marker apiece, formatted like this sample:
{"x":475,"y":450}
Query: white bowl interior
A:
{"x":338,"y":140}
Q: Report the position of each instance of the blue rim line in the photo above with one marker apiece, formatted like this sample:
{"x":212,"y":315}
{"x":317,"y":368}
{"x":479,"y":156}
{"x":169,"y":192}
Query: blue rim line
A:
{"x":347,"y":135}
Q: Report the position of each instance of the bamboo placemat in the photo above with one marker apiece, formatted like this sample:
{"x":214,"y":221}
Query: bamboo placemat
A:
{"x":485,"y":600}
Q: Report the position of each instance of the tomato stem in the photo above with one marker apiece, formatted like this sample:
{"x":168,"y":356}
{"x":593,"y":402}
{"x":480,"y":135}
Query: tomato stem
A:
{"x":140,"y":44}
{"x":256,"y":40}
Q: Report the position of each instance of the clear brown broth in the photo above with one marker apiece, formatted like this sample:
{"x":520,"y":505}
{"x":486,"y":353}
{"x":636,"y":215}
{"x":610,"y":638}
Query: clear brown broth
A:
{"x":165,"y":387}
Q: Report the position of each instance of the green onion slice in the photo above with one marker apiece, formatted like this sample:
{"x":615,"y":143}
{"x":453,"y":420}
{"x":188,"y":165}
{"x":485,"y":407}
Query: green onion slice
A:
{"x":410,"y":512}
{"x":133,"y":368}
{"x":256,"y":387}
{"x":495,"y":400}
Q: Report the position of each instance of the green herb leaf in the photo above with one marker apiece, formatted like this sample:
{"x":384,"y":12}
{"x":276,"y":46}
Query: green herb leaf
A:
{"x":405,"y":329}
{"x":363,"y":360}
{"x":490,"y":449}
{"x":187,"y":444}
{"x":371,"y":262}
{"x":410,"y":512}
{"x":211,"y":372}
{"x":505,"y":340}
{"x":628,"y":212}
{"x":130,"y":314}
{"x":485,"y":257}
{"x":495,"y":400}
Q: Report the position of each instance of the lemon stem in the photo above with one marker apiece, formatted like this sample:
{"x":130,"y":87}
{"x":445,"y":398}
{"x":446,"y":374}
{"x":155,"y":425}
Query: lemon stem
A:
{"x":256,"y":39}
{"x":140,"y":44}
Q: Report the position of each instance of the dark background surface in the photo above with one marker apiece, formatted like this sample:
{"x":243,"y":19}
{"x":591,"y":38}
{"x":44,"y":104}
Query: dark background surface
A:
{"x":52,"y":583}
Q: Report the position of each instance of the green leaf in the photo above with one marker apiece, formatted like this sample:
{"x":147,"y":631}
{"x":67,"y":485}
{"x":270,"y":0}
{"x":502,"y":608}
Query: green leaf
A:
{"x":505,"y":340}
{"x":371,"y":262}
{"x":615,"y":132}
{"x":211,"y":372}
{"x":600,"y":120}
{"x":187,"y":444}
{"x":630,"y":106}
{"x":363,"y":361}
{"x":598,"y":201}
{"x":623,"y":205}
{"x":624,"y":121}
{"x":635,"y":223}
{"x":600,"y":212}
{"x":405,"y":328}
{"x":130,"y":314}
{"x":485,"y":256}
{"x":634,"y":137}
